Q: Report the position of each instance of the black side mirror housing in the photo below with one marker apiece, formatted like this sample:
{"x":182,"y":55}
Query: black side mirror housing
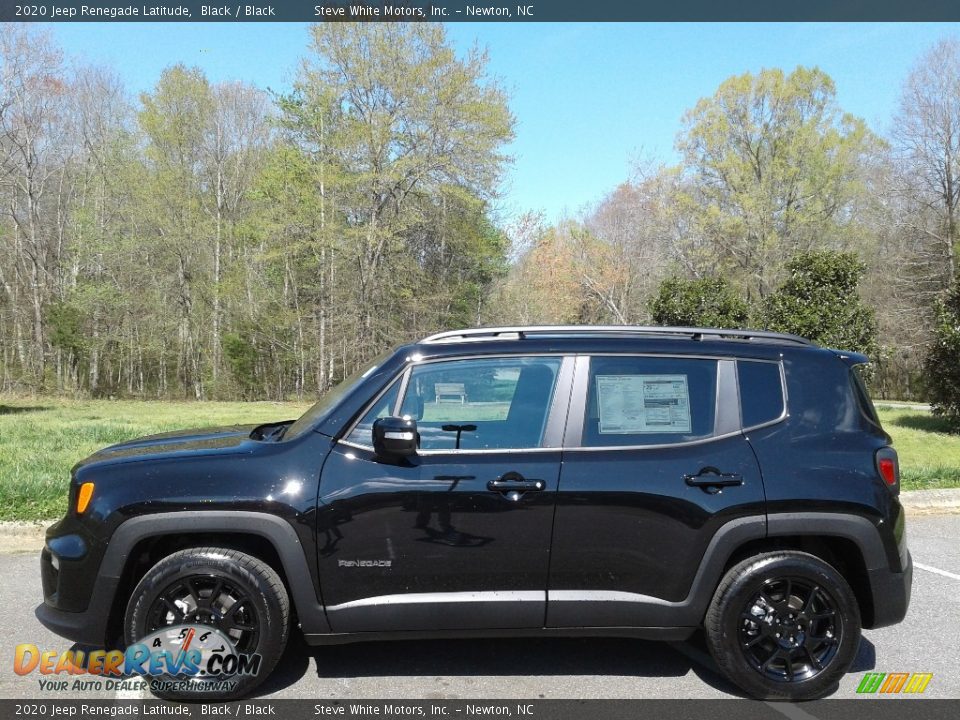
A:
{"x":395,"y":437}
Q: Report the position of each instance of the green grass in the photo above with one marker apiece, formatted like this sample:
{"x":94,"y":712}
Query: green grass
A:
{"x":929,"y":454}
{"x":41,"y":439}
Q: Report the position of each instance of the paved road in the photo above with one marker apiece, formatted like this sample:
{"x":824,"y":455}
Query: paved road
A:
{"x":552,"y":668}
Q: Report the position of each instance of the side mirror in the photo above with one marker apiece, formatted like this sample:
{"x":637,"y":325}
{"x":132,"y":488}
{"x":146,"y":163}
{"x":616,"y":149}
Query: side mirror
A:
{"x":395,"y":437}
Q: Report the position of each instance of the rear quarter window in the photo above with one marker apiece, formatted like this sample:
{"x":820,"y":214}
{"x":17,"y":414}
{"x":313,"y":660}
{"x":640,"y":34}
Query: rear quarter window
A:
{"x":761,"y":392}
{"x":862,"y":395}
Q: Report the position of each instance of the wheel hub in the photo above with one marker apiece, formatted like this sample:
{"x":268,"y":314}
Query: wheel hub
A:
{"x":207,"y":600}
{"x":788,"y":631}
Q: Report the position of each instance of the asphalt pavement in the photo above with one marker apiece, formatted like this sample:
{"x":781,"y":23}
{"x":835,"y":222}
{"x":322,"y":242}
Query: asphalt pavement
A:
{"x":548,"y":668}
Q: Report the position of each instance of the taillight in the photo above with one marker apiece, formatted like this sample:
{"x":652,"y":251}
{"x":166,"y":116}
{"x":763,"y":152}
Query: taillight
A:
{"x":889,"y":467}
{"x":888,"y":470}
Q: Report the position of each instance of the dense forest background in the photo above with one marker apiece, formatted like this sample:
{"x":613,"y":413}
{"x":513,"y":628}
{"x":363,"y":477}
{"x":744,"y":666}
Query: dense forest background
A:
{"x":216,"y":241}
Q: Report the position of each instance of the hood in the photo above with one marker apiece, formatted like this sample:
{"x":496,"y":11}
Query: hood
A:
{"x":230,"y":440}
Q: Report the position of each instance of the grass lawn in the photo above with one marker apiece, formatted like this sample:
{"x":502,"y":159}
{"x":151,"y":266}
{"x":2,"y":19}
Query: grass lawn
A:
{"x":41,"y":439}
{"x":929,"y":455}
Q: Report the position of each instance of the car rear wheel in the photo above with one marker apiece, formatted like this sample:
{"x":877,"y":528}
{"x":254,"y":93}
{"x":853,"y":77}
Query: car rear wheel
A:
{"x":783,"y":626}
{"x":239,"y":596}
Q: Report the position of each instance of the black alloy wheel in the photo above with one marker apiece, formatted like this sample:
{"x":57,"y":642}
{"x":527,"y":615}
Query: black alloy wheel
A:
{"x":783,"y":625}
{"x":208,"y":600}
{"x":238,"y":594}
{"x":791,"y":629}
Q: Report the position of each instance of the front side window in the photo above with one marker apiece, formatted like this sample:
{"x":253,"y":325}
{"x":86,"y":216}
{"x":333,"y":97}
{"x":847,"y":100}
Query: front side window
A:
{"x":362,"y":432}
{"x":489,"y":403}
{"x":649,"y":401}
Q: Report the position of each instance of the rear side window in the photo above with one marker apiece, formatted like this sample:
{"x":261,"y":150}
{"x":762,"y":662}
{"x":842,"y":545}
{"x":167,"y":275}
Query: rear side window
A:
{"x":649,"y":401}
{"x":761,"y":392}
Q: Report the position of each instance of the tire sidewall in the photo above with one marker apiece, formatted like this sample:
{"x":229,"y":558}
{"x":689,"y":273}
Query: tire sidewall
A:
{"x":273,"y":629}
{"x":750,"y":577}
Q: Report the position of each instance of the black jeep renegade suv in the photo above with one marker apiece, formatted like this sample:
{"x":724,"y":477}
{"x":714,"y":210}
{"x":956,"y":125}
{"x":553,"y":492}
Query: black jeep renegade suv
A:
{"x":640,"y":482}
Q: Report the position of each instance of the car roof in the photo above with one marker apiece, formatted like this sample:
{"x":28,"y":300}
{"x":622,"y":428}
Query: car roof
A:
{"x":522,"y":332}
{"x":611,"y":339}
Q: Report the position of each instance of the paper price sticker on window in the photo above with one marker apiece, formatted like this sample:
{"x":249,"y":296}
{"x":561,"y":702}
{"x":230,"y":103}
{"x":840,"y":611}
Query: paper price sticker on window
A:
{"x":643,"y":404}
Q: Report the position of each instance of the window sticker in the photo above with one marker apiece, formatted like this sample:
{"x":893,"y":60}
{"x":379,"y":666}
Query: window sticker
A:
{"x":643,"y":404}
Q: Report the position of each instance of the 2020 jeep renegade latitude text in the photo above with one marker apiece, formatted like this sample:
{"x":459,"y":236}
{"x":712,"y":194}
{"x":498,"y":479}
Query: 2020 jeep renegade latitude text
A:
{"x":641,"y":482}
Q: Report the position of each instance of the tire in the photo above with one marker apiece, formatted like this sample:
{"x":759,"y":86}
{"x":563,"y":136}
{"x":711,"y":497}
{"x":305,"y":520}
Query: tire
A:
{"x":248,"y":589}
{"x":803,"y":599}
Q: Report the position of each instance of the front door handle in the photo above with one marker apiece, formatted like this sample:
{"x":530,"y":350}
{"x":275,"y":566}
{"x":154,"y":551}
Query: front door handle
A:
{"x":515,"y":484}
{"x":712,"y":479}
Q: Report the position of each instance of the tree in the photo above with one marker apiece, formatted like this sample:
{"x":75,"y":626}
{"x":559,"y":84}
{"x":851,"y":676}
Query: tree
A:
{"x":819,"y":301}
{"x":704,"y":302}
{"x":637,"y":243}
{"x":941,"y":367}
{"x":176,"y":118}
{"x":34,"y":158}
{"x":407,"y":141}
{"x":773,"y":168}
{"x":927,"y":141}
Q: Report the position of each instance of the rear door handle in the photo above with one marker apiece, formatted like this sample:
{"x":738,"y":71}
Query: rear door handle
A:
{"x":514,"y":482}
{"x":710,"y":477}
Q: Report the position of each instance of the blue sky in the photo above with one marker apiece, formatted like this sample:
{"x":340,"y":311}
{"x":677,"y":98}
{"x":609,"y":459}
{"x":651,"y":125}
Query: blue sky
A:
{"x":589,"y":98}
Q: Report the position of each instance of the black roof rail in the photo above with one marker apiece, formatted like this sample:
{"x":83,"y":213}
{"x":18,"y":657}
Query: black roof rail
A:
{"x":521,"y":332}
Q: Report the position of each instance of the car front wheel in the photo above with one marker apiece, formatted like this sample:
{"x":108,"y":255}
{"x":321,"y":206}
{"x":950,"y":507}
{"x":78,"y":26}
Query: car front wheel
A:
{"x":225,"y":605}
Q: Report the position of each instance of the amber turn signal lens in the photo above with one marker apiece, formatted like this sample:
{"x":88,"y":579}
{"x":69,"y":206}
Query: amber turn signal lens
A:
{"x":83,"y":497}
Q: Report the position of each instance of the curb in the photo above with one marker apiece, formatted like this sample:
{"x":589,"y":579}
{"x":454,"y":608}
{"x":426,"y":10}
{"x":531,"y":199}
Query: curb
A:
{"x":931,"y":502}
{"x":18,"y":537}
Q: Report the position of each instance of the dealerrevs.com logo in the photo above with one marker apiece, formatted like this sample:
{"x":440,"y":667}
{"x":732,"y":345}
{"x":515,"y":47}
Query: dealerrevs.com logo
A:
{"x":180,"y":657}
{"x":894,"y":683}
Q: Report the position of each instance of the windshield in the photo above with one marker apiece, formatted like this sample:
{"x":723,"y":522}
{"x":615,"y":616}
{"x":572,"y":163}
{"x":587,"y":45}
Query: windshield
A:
{"x":329,"y":401}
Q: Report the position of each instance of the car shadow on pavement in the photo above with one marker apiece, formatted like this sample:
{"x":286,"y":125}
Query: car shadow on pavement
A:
{"x":866,"y":658}
{"x":511,"y":657}
{"x":706,"y":669}
{"x":486,"y":657}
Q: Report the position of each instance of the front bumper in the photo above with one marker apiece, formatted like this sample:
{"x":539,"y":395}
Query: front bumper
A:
{"x":77,"y":598}
{"x":891,"y":594}
{"x":87,"y":628}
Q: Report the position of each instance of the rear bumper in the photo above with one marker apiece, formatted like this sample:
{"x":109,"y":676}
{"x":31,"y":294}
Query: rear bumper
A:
{"x":891,"y":594}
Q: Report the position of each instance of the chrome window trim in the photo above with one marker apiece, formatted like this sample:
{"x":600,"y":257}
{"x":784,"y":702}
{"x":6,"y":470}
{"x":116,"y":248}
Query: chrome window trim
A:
{"x":463,"y":451}
{"x":661,"y":446}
